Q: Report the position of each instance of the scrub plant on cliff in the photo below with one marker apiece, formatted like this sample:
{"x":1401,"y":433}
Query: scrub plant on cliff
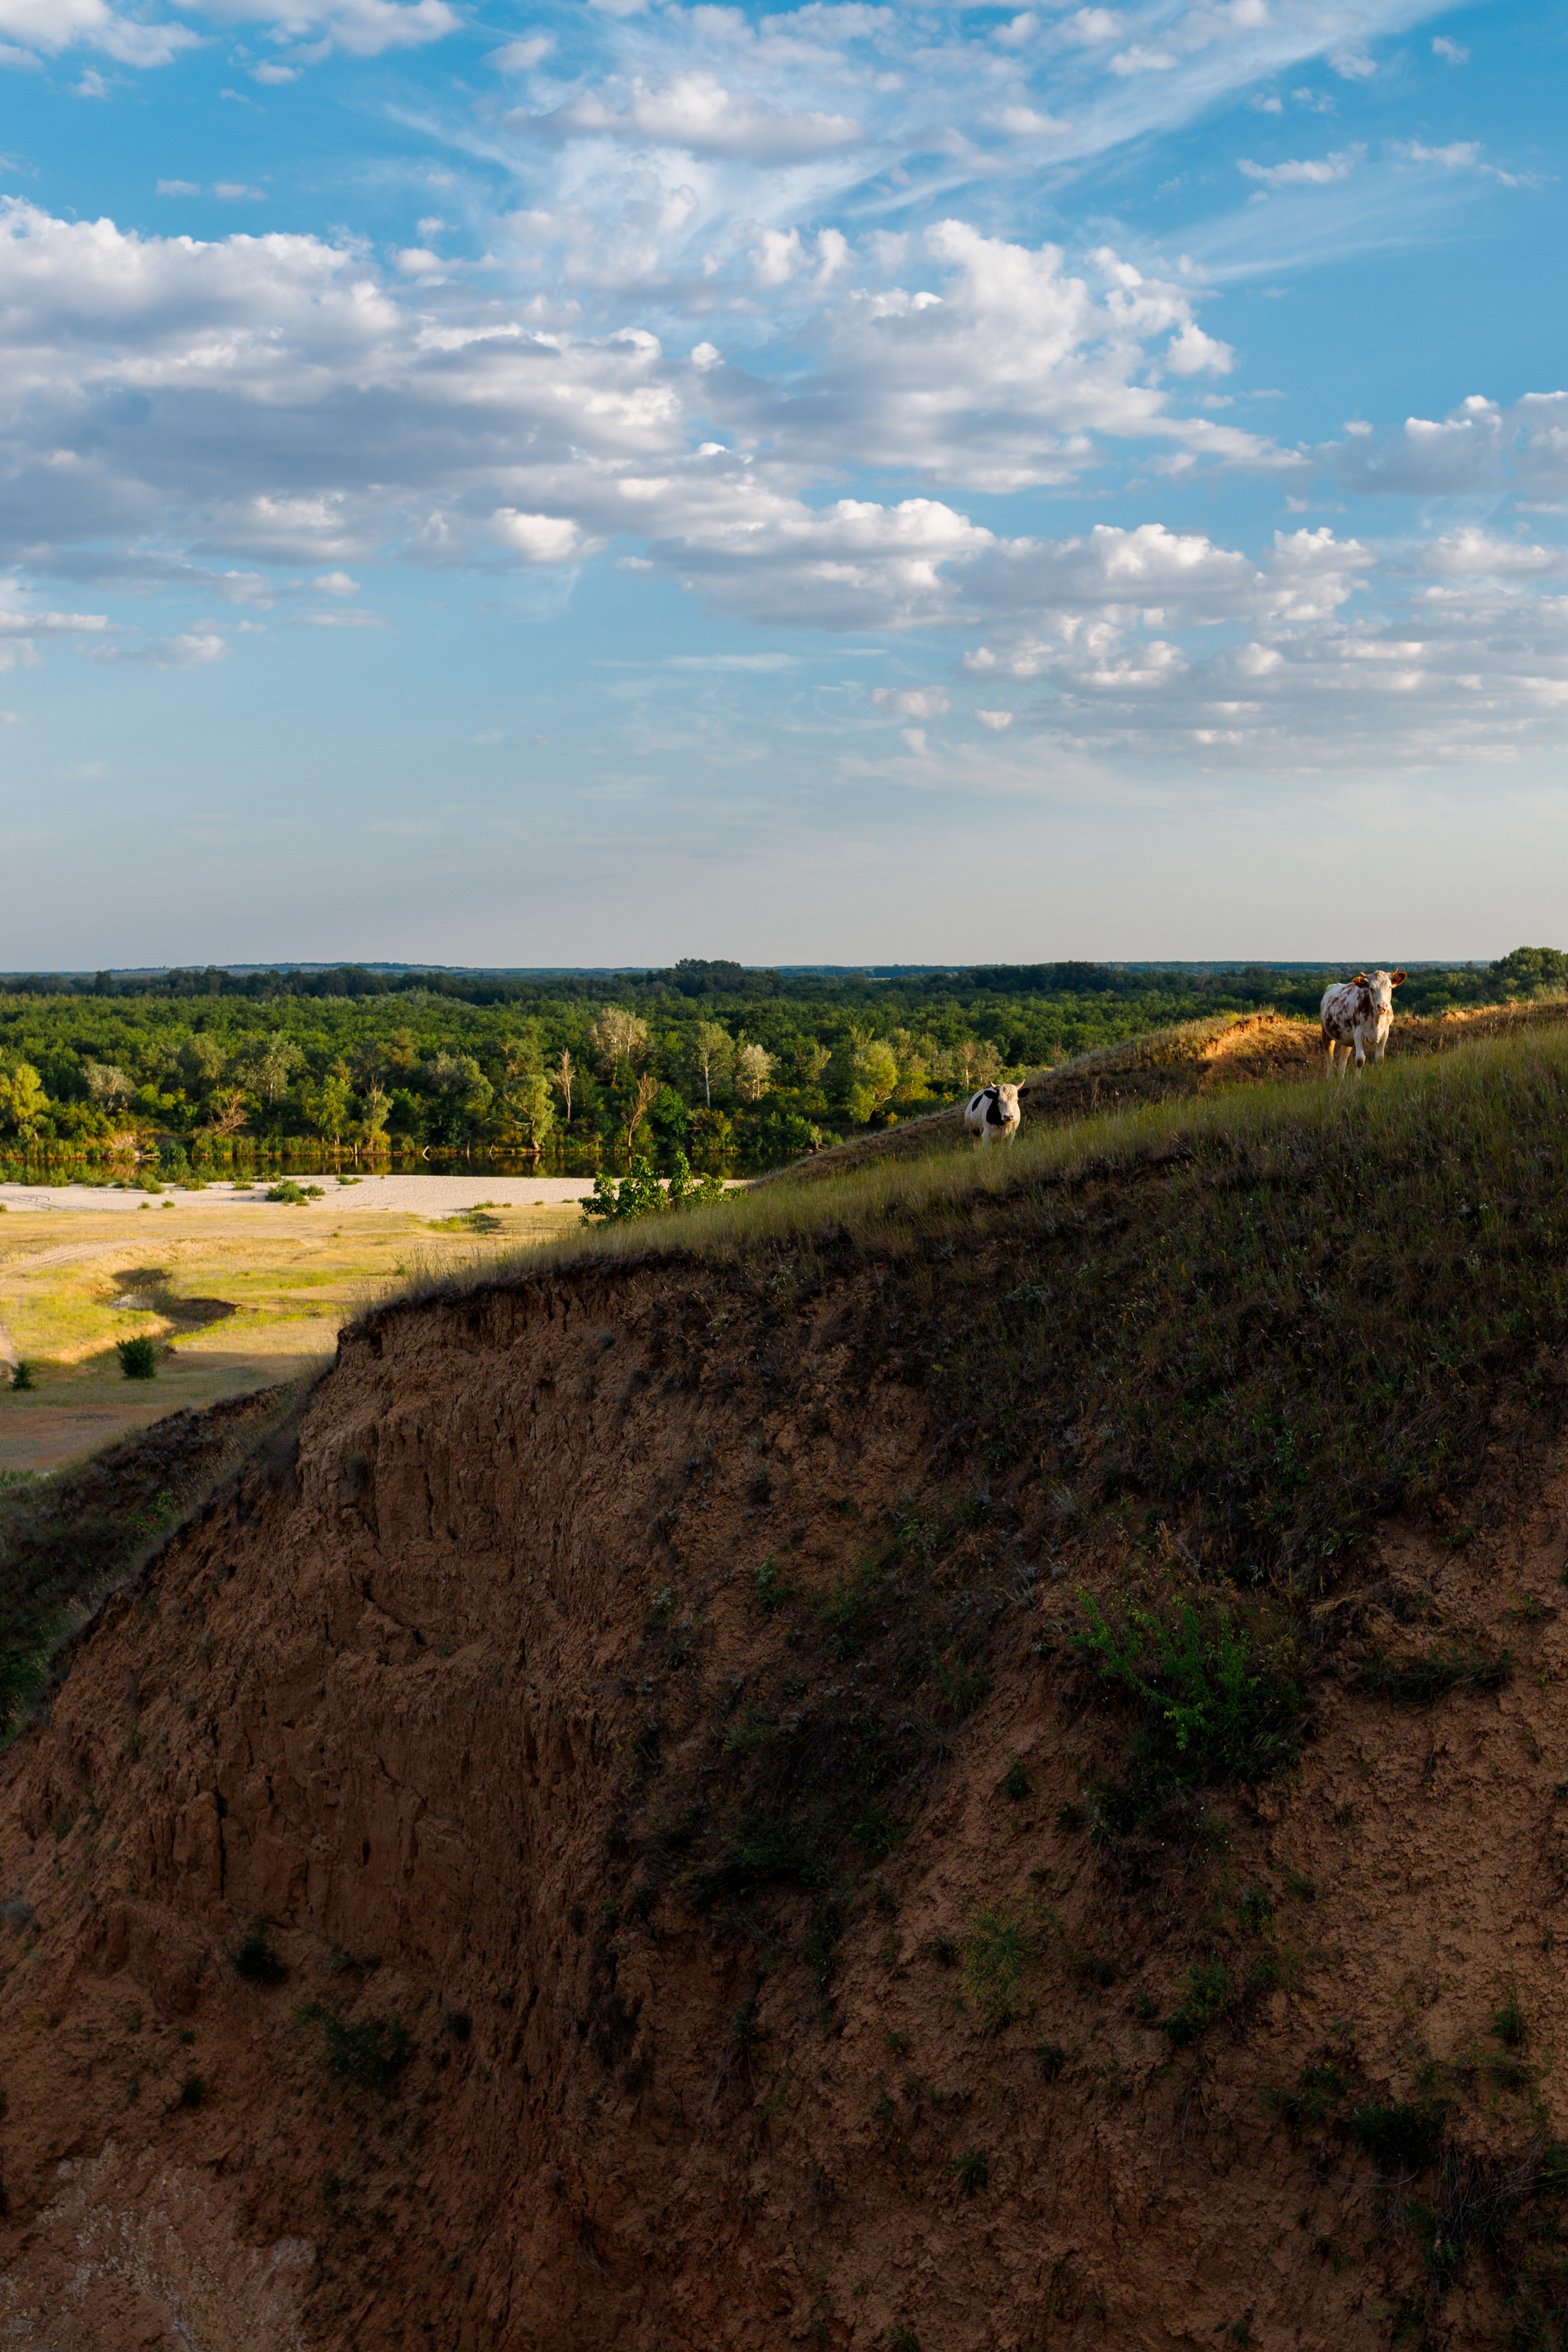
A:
{"x":369,"y":2054}
{"x":1217,"y":1696}
{"x":999,"y":1950}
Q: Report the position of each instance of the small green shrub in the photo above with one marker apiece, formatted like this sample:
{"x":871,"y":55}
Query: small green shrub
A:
{"x":458,"y":2024}
{"x":1015,"y":1782}
{"x":255,"y":1959}
{"x":876,"y":1832}
{"x":1207,"y":1995}
{"x":1510,"y":2072}
{"x":371,"y":2055}
{"x":1050,"y":2058}
{"x":1321,"y":2093}
{"x":1219,"y":1700}
{"x":191,"y":2091}
{"x":972,"y":2170}
{"x":901,"y":2337}
{"x":998,"y":1953}
{"x":22,"y":1375}
{"x":138,"y":1357}
{"x":292,"y":1195}
{"x":1399,"y":2137}
{"x":641,"y":1194}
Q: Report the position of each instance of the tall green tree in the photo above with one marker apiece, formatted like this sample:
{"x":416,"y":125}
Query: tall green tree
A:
{"x":22,"y":1098}
{"x":710,"y":1055}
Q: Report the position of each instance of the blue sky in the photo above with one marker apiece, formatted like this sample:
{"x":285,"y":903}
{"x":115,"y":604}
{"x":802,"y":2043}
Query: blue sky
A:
{"x":597,"y":484}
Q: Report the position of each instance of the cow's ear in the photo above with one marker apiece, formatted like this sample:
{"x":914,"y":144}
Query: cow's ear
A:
{"x":1358,"y":980}
{"x":1396,"y":980}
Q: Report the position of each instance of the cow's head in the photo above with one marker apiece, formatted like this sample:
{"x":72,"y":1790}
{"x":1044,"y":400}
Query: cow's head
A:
{"x":1380,"y":986}
{"x":1007,"y":1096}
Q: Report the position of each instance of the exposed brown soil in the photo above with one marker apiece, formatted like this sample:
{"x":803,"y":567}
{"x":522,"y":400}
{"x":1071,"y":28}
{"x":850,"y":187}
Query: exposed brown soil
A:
{"x":437,"y":1688}
{"x":1196,"y":1057}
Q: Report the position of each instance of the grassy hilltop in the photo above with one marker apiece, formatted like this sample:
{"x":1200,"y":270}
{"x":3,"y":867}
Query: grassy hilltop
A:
{"x":1276,"y":1311}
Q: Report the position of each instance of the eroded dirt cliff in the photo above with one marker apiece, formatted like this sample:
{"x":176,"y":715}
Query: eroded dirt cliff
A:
{"x":459,"y":1710}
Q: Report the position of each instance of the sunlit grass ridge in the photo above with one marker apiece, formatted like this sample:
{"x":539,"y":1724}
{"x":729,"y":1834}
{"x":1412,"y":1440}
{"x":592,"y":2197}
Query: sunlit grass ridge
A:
{"x":1480,"y":1106}
{"x":1270,"y":1314}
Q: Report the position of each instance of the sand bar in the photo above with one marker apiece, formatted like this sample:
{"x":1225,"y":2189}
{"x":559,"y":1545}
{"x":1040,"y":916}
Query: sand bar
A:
{"x":422,"y":1195}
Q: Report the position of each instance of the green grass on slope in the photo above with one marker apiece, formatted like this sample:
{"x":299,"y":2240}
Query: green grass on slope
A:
{"x":1278,"y":1311}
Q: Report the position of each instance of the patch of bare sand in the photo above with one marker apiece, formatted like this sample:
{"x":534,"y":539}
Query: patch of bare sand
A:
{"x":422,"y":1196}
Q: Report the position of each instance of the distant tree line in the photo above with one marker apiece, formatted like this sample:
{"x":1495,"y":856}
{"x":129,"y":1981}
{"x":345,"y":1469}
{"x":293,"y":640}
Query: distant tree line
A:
{"x":706,"y":1057}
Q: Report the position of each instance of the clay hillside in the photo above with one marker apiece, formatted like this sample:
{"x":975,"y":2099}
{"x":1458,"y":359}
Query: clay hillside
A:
{"x":974,"y":1755}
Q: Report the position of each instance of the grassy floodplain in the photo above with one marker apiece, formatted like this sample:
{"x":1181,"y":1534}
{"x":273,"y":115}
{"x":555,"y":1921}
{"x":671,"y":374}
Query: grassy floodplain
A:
{"x":239,"y":1299}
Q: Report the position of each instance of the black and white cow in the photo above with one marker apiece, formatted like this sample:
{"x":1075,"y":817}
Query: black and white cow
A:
{"x":992,"y":1115}
{"x":1355,"y":1011}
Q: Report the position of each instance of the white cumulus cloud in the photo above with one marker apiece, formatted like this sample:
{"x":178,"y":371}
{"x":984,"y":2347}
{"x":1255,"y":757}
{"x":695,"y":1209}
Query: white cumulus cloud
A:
{"x":911,"y":701}
{"x":51,"y":26}
{"x":1311,"y":172}
{"x":698,"y":112}
{"x":361,"y":29}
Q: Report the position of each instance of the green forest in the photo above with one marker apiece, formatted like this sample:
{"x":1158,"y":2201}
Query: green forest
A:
{"x":723,"y":1061}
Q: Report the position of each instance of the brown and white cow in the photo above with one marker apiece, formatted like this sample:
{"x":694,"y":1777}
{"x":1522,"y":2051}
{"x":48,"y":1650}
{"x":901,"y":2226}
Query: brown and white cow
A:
{"x":1355,"y":1011}
{"x":993,"y":1115}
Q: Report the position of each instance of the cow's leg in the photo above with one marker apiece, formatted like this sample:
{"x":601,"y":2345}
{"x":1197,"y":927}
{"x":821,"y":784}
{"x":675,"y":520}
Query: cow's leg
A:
{"x":1360,"y":1053}
{"x":1329,"y":1069}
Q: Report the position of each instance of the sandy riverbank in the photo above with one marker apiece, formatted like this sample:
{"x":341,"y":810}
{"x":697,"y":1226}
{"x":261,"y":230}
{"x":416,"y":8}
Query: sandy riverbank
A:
{"x":421,"y":1196}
